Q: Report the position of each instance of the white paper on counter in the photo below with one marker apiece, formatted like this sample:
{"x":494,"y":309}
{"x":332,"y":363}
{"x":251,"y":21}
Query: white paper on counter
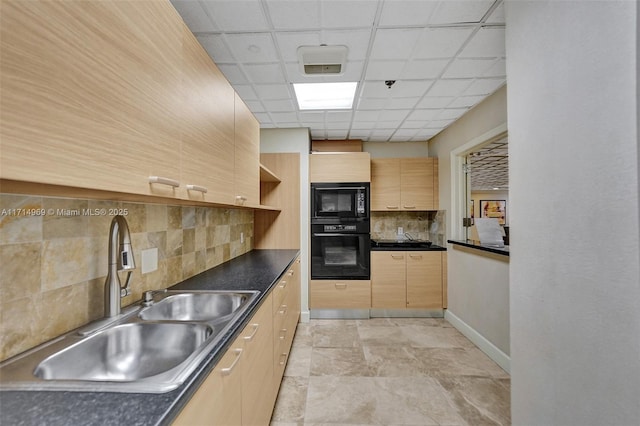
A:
{"x":489,"y":232}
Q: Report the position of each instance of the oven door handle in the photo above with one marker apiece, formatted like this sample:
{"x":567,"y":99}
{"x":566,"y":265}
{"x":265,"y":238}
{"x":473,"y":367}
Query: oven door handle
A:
{"x":361,"y":188}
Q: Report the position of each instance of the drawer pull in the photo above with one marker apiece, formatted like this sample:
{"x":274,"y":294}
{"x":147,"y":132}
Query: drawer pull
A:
{"x":283,"y":309}
{"x":283,"y":284}
{"x":409,"y":207}
{"x":197,"y":188}
{"x":392,"y":207}
{"x":397,"y":256}
{"x":283,"y":358}
{"x":415,"y":256}
{"x":283,"y":333}
{"x":290,"y":272}
{"x":164,"y":181}
{"x":341,"y":286}
{"x":255,"y":330}
{"x":229,"y":369}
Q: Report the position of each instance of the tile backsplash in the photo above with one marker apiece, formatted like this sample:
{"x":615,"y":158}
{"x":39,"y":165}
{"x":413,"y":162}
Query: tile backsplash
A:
{"x":53,"y":257}
{"x":425,"y":225}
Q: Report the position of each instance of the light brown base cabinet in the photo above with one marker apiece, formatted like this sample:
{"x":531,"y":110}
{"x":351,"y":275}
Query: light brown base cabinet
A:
{"x":242,"y":389}
{"x":408,"y":279}
{"x":339,"y":294}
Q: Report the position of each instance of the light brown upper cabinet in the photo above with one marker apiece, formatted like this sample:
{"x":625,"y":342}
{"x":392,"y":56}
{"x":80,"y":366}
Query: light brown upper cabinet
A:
{"x":89,"y":108}
{"x":340,"y":167}
{"x":404,"y":184}
{"x":247,"y":155}
{"x":208,"y":127}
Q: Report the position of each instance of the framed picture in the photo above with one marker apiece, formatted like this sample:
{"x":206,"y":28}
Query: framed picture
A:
{"x":494,"y":208}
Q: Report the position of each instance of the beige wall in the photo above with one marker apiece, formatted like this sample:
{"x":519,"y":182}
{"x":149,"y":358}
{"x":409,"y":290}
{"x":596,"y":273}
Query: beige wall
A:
{"x":54,"y":265}
{"x":396,"y":149}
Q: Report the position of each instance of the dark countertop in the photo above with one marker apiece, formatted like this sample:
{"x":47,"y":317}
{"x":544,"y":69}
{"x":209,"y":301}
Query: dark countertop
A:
{"x":256,"y":270}
{"x":408,"y":247}
{"x":471,"y":244}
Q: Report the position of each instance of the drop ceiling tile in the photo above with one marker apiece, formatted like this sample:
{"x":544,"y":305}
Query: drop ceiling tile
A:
{"x":428,"y":68}
{"x":348,"y":13}
{"x":339,"y":116}
{"x":384,"y":70}
{"x":486,"y":43}
{"x":294,"y":14}
{"x":367,"y":116}
{"x":246,"y":92}
{"x":262,"y":117}
{"x":255,"y":106}
{"x":363,"y":125}
{"x":401,"y":89}
{"x":465,"y":101}
{"x":405,"y":133}
{"x":272,"y":91}
{"x":449,"y":87}
{"x":357,"y":42}
{"x":264,"y":73}
{"x":359,"y":134}
{"x":497,"y":17}
{"x":332,"y":125}
{"x":394,"y":43}
{"x":337,"y":134}
{"x":267,"y":125}
{"x":234,"y":15}
{"x":498,"y":69}
{"x":280,"y":105}
{"x":452,"y":113}
{"x":424,"y":135}
{"x":255,"y":47}
{"x":435,"y":101}
{"x":387,"y":124}
{"x":394,"y":114}
{"x":194,"y":15}
{"x":216,"y":48}
{"x":441,"y":42}
{"x":372,"y":103}
{"x":402,"y":103}
{"x":233,"y":73}
{"x":406,"y":12}
{"x":288,"y":42}
{"x":423,"y":115}
{"x":284,"y":117}
{"x":318,"y":134}
{"x":438,"y":124}
{"x":381,"y":134}
{"x":312,"y":116}
{"x":410,"y":124}
{"x":467,"y":68}
{"x":460,"y":11}
{"x":484,"y":86}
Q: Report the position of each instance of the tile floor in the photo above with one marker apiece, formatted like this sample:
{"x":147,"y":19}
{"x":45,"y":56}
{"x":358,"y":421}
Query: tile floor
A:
{"x":389,"y":371}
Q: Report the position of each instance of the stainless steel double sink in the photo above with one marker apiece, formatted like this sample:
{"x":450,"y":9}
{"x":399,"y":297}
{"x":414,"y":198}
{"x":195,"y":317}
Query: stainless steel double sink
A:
{"x":150,"y":348}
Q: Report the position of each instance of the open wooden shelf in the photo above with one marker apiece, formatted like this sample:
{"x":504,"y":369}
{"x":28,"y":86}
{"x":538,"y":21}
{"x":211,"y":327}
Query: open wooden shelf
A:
{"x":267,"y":175}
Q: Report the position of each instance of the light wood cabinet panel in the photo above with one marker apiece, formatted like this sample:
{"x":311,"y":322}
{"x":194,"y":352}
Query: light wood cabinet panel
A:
{"x":340,"y":294}
{"x":257,"y":371}
{"x":385,"y":184}
{"x":424,"y":279}
{"x":247,"y":155}
{"x":340,"y":167}
{"x":388,"y":279}
{"x":91,"y":94}
{"x":208,"y":133}
{"x":416,"y":182}
{"x":218,"y":401}
{"x":404,"y":184}
{"x":279,"y":230}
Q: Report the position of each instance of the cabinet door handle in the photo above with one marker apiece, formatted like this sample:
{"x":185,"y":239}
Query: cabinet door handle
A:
{"x":415,"y":256}
{"x":283,"y":358}
{"x":197,"y":188}
{"x":283,"y":309}
{"x":397,"y":256}
{"x":283,"y":284}
{"x":341,"y":286}
{"x":409,"y":207}
{"x":290,"y":272}
{"x":392,"y":207}
{"x":283,"y":333}
{"x":226,"y":371}
{"x":240,"y":199}
{"x":255,"y":330}
{"x":164,"y":181}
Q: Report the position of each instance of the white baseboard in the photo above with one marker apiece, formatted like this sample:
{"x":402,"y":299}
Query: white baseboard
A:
{"x":492,"y":351}
{"x":305,"y":316}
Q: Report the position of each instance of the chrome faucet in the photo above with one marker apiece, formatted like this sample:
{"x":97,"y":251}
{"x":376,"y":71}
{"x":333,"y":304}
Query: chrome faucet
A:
{"x":408,"y":236}
{"x":120,"y":259}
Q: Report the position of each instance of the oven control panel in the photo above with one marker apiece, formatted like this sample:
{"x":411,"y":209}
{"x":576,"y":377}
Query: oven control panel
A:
{"x":333,"y":228}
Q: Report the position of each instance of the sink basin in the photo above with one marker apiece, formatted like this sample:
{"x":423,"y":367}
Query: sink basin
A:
{"x":147,"y":349}
{"x":205,"y":306}
{"x":126,"y":352}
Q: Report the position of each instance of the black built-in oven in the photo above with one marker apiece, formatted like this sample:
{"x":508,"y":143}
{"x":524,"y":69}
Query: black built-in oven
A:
{"x":339,"y":202}
{"x":340,"y":251}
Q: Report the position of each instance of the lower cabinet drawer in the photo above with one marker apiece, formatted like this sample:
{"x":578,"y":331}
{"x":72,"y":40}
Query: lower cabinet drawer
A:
{"x":339,"y":294}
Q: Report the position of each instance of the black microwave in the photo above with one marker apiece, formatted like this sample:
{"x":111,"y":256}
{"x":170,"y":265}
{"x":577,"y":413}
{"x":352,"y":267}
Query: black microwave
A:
{"x":339,"y":202}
